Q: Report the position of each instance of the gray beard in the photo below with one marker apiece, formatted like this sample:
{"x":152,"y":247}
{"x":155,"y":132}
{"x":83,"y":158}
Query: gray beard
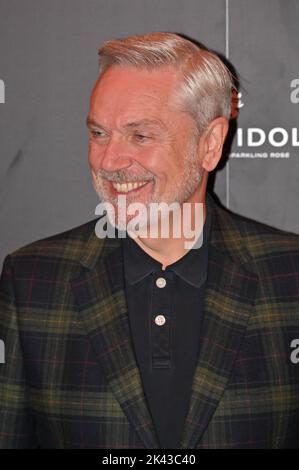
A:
{"x":189,"y":183}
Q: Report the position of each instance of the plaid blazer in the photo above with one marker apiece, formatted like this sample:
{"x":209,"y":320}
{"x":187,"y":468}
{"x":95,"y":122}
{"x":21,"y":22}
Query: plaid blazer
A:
{"x":70,"y":378}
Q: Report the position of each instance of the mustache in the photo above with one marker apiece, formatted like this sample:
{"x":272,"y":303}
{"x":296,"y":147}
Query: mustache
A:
{"x":119,"y":176}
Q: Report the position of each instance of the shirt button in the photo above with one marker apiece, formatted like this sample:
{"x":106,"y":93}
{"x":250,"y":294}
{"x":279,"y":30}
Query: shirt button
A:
{"x":161,"y":282}
{"x":160,"y":320}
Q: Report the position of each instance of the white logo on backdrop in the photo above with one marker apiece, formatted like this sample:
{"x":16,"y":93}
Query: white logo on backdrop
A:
{"x":276,"y":137}
{"x":240,"y":102}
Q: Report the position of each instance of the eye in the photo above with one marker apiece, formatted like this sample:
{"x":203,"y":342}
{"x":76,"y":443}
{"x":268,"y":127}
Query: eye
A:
{"x":141,"y":138}
{"x":97,"y":134}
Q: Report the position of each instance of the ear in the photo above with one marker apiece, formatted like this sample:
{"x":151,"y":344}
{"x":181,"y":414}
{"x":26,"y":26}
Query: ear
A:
{"x":211,"y":143}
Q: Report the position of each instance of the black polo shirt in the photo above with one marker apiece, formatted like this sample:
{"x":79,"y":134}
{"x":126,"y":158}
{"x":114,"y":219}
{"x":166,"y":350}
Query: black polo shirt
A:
{"x":165,"y":310}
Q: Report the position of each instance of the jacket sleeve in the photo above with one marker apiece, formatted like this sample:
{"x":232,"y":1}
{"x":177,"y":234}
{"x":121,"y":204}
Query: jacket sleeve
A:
{"x":16,"y":420}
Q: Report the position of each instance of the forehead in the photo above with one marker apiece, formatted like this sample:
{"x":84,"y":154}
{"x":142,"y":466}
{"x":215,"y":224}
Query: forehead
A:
{"x":126,"y":92}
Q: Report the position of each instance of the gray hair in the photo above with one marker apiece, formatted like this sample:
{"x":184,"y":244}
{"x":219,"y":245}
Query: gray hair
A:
{"x":207,"y":84}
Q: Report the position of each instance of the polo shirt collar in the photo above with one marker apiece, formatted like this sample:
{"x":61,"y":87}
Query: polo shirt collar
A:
{"x":192,"y":267}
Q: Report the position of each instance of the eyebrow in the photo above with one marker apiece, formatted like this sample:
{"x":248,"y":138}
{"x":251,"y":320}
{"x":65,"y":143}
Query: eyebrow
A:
{"x":131,"y":125}
{"x":91,"y":123}
{"x":144,"y":122}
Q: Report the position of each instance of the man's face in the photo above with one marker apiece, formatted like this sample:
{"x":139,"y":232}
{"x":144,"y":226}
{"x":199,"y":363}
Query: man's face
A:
{"x":140,"y":145}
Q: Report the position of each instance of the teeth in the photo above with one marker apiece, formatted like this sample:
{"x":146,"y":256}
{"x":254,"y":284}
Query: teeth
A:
{"x":126,"y":187}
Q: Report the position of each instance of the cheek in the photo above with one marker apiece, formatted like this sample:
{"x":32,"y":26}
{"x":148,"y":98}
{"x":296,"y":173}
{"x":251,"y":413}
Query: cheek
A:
{"x":160,"y":160}
{"x":168,"y":165}
{"x":93,"y":156}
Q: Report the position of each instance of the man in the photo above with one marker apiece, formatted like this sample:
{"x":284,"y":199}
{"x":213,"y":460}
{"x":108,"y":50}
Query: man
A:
{"x":138,"y":342}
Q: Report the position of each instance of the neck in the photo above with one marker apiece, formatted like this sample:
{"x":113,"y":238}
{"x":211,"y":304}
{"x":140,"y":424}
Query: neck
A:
{"x":171,"y":249}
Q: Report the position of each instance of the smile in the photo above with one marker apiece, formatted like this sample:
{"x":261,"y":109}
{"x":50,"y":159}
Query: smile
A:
{"x":129,"y":186}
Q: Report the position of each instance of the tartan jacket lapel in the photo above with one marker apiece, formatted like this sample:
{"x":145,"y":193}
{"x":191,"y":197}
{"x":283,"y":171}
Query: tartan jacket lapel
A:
{"x":229,"y":299}
{"x":100,"y":295}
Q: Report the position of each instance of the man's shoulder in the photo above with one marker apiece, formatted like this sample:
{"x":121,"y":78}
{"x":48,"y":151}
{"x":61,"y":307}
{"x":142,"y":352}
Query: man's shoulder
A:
{"x":261,"y":240}
{"x":65,"y":246}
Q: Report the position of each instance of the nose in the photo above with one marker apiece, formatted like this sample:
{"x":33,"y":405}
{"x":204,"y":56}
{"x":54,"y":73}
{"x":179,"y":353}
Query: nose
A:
{"x":113,"y":155}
